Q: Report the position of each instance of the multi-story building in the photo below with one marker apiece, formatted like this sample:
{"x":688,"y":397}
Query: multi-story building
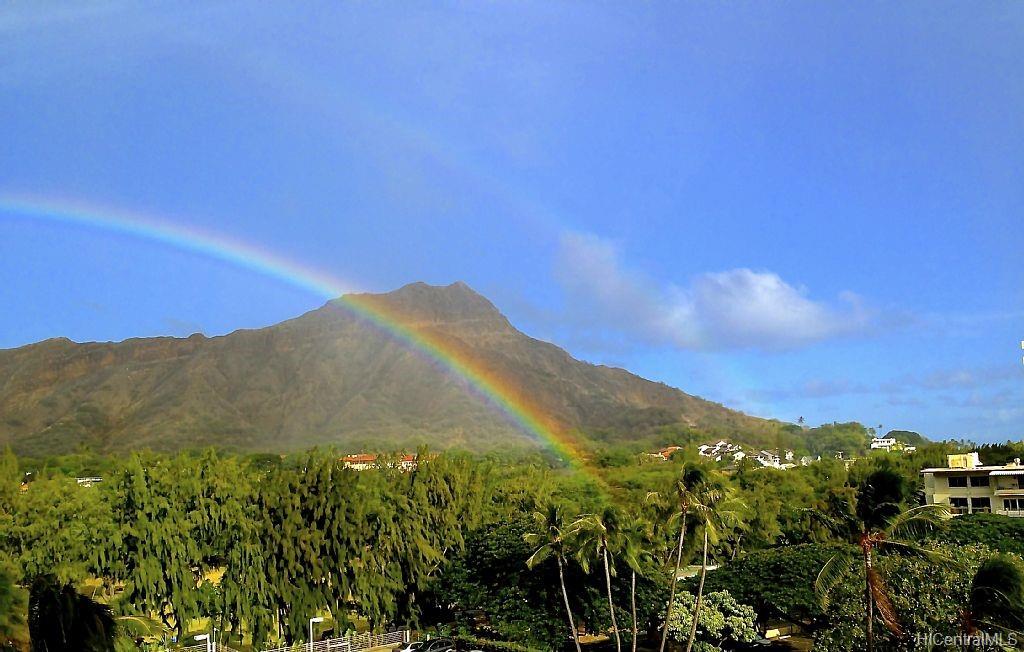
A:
{"x":968,"y":486}
{"x":890,"y":444}
{"x":883,"y":443}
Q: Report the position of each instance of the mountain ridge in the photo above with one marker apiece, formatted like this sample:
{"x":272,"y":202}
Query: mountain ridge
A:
{"x":327,"y":378}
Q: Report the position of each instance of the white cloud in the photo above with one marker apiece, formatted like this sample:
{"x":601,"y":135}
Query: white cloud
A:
{"x":738,"y":308}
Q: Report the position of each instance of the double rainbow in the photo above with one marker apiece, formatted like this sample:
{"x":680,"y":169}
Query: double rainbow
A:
{"x":485,"y":382}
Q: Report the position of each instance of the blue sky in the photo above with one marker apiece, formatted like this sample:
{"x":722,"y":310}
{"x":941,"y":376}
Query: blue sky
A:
{"x":797,"y":209}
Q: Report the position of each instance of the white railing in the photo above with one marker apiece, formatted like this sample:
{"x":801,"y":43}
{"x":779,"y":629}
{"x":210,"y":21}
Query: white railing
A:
{"x":351,"y":643}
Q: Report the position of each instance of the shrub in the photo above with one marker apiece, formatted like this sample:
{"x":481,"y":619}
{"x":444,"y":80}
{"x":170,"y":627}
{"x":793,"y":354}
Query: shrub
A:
{"x":722,"y":621}
{"x":777,"y":582}
{"x":1001,"y":533}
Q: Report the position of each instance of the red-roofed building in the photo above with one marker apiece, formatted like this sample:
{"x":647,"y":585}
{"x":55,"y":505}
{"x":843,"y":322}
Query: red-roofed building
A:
{"x":366,"y":461}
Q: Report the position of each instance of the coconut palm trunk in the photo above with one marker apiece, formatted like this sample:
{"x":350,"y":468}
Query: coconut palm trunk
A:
{"x":675,"y":577}
{"x":568,"y":609}
{"x":700,"y":594}
{"x":632,"y":604}
{"x":866,"y":546}
{"x":611,"y":604}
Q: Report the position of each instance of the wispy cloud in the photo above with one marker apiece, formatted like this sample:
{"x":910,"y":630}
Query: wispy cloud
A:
{"x":971,"y":383}
{"x":817,"y":388}
{"x":734,"y":309}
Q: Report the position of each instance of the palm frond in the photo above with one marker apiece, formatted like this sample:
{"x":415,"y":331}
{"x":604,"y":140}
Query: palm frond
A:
{"x":909,"y":549}
{"x":654,"y":498}
{"x":832,"y":573}
{"x":539,"y":556}
{"x":140,"y":626}
{"x":917,"y":521}
{"x":840,"y":524}
{"x":1009,"y":631}
{"x":883,"y":603}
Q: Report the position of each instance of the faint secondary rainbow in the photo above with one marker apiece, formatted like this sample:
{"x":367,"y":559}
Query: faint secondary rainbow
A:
{"x":484,"y":381}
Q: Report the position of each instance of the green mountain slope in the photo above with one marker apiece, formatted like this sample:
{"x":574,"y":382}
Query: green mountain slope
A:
{"x":329,"y":378}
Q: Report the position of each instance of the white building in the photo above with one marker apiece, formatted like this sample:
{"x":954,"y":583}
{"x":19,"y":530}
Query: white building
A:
{"x":890,"y":444}
{"x":769,"y":458}
{"x":883,"y":443}
{"x":721,"y":450}
{"x":968,"y":486}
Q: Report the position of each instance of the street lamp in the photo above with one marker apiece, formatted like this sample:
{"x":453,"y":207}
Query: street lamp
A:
{"x":316,"y":619}
{"x":204,"y":637}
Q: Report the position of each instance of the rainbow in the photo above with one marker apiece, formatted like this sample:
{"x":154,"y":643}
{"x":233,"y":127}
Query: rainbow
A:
{"x":483,"y":381}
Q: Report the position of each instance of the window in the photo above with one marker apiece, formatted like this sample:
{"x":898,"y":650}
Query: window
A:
{"x":958,"y":481}
{"x":958,"y":503}
{"x":1013,"y":504}
{"x":981,"y":505}
{"x":979,"y":480}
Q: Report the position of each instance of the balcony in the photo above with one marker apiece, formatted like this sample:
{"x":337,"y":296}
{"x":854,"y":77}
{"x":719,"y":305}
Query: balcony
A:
{"x":1013,"y":513}
{"x":1014,"y":489}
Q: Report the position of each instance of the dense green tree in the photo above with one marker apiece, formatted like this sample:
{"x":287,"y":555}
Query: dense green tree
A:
{"x":165,"y":518}
{"x":995,"y":531}
{"x":259,"y":544}
{"x":777,"y":582}
{"x":57,"y":527}
{"x":828,"y":439}
{"x":12,"y":604}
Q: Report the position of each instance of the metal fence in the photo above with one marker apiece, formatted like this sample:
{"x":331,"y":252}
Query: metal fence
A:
{"x":351,"y":643}
{"x":219,"y":647}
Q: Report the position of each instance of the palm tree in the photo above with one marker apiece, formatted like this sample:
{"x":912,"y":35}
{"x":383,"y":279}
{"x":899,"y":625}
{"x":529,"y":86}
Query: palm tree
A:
{"x":680,"y":499}
{"x":550,"y":540}
{"x":635,"y":544}
{"x":60,"y":619}
{"x":138,"y":627}
{"x":596,"y":535}
{"x":997,"y":596}
{"x":879,"y":525}
{"x":716,"y":509}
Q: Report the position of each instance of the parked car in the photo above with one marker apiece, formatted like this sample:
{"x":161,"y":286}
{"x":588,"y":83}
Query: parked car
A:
{"x":438,"y":645}
{"x":411,"y":646}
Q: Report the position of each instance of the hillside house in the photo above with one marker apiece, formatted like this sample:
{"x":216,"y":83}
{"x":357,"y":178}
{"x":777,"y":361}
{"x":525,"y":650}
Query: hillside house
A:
{"x":367,"y":461}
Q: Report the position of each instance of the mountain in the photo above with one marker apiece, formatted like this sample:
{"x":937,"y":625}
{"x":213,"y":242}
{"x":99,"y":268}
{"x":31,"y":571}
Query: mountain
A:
{"x":330,"y":378}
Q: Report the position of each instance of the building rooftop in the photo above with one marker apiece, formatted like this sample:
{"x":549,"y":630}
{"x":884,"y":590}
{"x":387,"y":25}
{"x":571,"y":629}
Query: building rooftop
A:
{"x":971,"y":463}
{"x":962,"y":469}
